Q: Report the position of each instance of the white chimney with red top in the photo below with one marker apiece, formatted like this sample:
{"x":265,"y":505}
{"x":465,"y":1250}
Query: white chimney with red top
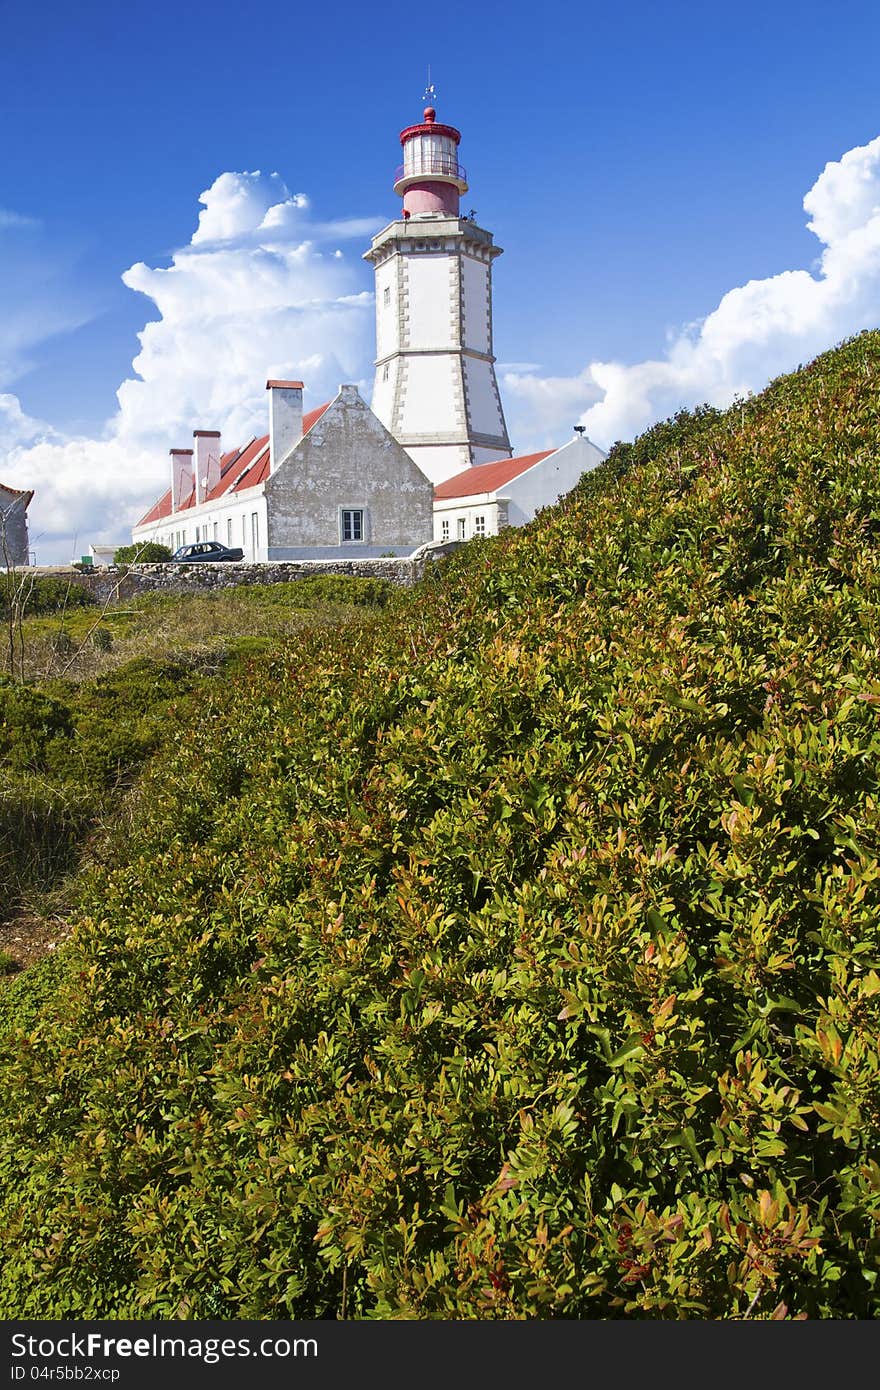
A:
{"x":285,"y":419}
{"x":206,"y":464}
{"x":181,"y":477}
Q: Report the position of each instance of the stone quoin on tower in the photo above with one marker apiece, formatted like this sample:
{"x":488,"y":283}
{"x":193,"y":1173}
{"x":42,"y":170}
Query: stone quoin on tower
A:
{"x":435,"y":388}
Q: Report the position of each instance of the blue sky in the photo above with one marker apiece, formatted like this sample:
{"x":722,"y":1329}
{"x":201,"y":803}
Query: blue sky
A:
{"x":636,"y":163}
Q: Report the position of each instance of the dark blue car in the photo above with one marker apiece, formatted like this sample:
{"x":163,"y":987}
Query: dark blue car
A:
{"x":205,"y":550}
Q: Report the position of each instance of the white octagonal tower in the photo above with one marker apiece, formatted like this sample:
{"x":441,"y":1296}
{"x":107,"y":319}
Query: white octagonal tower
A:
{"x":435,"y":388}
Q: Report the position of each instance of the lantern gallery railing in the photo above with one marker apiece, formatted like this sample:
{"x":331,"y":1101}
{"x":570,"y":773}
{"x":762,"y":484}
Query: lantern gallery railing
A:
{"x":431,"y":165}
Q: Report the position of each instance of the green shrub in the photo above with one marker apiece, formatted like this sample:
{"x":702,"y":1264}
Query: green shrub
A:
{"x":517,"y":956}
{"x":66,"y":753}
{"x":25,"y":995}
{"x":143,"y":553}
{"x":31,"y":722}
{"x":341,"y":588}
{"x":36,"y":595}
{"x":102,"y":639}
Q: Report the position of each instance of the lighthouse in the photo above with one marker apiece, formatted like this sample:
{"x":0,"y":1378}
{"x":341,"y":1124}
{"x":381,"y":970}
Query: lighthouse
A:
{"x":435,"y":388}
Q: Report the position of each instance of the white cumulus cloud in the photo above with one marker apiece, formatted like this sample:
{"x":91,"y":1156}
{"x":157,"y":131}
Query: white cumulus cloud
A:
{"x":16,"y":428}
{"x":259,"y":291}
{"x":757,"y":331}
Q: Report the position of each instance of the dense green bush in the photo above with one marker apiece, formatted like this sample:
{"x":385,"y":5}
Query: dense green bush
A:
{"x":66,"y":754}
{"x":37,"y":594}
{"x":514,"y":957}
{"x":343,"y":588}
{"x":31,"y":722}
{"x":144,"y":553}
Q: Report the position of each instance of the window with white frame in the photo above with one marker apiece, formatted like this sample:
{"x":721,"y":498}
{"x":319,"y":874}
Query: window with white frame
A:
{"x":229,"y":531}
{"x":461,"y":528}
{"x":479,"y":526}
{"x":216,"y":530}
{"x":387,"y":294}
{"x":444,"y":530}
{"x":255,"y":533}
{"x":352,"y":524}
{"x":385,"y":371}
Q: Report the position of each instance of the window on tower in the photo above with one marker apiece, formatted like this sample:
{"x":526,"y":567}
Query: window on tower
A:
{"x":387,"y":294}
{"x":385,"y":370}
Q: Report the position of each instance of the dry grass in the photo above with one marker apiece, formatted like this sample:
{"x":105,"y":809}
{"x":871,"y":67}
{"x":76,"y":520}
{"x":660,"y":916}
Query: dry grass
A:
{"x":162,"y":625}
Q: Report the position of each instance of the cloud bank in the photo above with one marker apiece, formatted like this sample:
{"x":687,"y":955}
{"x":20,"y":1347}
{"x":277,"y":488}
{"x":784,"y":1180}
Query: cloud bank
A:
{"x":757,"y":331}
{"x":260,"y":290}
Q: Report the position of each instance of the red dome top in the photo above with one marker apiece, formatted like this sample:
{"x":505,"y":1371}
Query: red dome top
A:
{"x":430,"y":126}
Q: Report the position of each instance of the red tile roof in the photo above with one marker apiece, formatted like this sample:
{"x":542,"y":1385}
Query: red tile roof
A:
{"x":488,"y":477}
{"x":312,"y":417}
{"x":158,"y":510}
{"x":239,"y":470}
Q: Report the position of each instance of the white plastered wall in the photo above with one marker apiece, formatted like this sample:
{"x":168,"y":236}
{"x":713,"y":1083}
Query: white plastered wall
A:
{"x":180,"y":528}
{"x":430,"y":400}
{"x":440,"y":461}
{"x":545,"y":482}
{"x":431,"y":291}
{"x":384,"y":389}
{"x":483,"y":409}
{"x":462,"y":516}
{"x":517,"y":501}
{"x":387,"y":308}
{"x":475,"y":293}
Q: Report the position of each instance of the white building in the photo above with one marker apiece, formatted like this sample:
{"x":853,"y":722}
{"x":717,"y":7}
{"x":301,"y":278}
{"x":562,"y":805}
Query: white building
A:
{"x":481,"y":501}
{"x":435,"y":386}
{"x":329,"y":484}
{"x":102,"y":555}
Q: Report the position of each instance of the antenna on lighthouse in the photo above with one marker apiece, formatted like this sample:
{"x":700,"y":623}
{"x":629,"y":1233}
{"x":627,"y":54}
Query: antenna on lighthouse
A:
{"x":430,"y":90}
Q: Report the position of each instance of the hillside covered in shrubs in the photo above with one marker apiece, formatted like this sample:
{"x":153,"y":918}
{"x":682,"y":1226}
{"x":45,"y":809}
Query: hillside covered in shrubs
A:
{"x":514,"y":953}
{"x":97,"y":690}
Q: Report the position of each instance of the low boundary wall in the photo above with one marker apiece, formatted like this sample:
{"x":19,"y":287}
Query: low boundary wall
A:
{"x":127,"y":581}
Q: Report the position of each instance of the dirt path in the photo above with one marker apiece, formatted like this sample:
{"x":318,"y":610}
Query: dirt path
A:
{"x":28,"y":939}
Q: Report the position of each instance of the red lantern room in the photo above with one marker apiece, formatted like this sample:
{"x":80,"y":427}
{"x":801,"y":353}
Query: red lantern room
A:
{"x":430,"y":178}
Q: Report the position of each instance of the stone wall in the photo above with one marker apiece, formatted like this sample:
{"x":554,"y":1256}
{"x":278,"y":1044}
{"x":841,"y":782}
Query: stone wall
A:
{"x":126,"y":582}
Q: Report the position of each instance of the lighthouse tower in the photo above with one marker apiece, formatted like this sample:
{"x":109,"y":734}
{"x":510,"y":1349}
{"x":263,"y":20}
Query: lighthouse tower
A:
{"x":435,"y":388}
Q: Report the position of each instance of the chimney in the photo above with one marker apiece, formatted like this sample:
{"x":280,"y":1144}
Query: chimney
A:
{"x":206,"y":465}
{"x":285,"y":419}
{"x":181,"y":477}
